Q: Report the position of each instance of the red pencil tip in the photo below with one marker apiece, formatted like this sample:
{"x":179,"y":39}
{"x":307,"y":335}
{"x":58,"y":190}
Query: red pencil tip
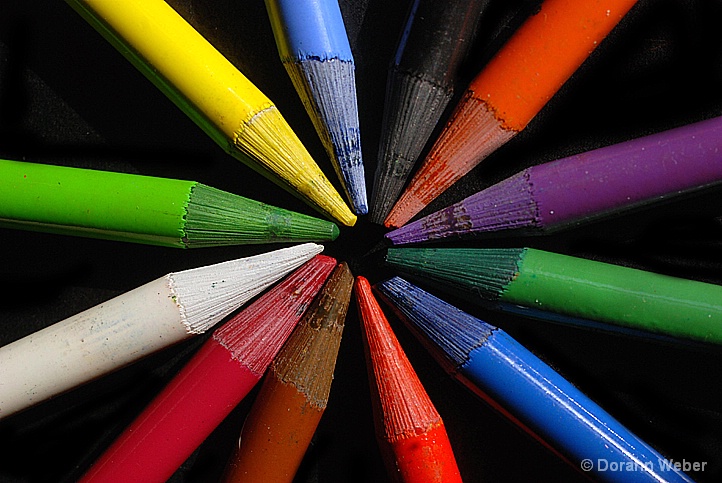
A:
{"x":403,"y":407}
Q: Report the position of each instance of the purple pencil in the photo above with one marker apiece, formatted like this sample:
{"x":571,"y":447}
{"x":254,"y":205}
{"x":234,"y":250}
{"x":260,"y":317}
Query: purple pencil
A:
{"x":586,"y":186}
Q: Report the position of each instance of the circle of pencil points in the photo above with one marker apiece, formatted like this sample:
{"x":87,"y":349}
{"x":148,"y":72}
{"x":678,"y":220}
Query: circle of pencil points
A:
{"x":314,"y":291}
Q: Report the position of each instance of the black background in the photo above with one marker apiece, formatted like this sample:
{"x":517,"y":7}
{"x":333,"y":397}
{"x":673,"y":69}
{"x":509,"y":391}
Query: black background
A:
{"x":67,"y":97}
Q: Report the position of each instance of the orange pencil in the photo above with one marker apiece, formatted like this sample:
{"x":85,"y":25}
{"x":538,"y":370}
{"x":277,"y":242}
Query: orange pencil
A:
{"x":504,"y":97}
{"x":410,"y":432}
{"x":295,"y":391}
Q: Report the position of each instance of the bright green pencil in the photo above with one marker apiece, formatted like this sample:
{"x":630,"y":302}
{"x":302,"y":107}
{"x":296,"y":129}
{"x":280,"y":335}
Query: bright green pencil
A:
{"x":143,"y":209}
{"x":579,"y":290}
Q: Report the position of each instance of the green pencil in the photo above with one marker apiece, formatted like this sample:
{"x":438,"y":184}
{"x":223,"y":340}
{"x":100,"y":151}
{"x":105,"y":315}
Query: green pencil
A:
{"x":143,"y":209}
{"x":579,"y":290}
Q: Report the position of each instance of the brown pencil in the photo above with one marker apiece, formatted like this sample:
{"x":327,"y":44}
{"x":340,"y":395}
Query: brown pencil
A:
{"x":295,"y":391}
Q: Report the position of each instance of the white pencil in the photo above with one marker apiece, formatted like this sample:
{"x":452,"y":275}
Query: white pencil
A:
{"x":135,"y":324}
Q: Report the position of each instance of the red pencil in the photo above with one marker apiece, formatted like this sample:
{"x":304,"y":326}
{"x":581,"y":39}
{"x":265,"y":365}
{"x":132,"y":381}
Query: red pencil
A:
{"x":411,"y":433}
{"x":213,"y":382}
{"x":513,"y":87}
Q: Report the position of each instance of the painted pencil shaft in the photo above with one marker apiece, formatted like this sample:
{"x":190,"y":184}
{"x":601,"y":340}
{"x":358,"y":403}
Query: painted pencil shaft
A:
{"x":135,"y":324}
{"x":315,"y":51}
{"x":501,"y":371}
{"x":143,"y":209}
{"x":435,"y":40}
{"x":574,"y":287}
{"x":409,"y":429}
{"x":514,"y":86}
{"x":211,"y":384}
{"x":295,"y":391}
{"x":214,"y":94}
{"x":583,"y":187}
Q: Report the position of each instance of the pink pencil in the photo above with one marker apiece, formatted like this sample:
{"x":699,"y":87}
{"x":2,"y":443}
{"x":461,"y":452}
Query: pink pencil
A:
{"x":213,"y":382}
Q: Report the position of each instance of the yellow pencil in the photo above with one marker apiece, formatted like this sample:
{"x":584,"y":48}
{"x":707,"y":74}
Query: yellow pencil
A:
{"x":212,"y":92}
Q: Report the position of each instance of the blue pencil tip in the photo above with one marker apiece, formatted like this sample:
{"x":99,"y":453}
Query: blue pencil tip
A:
{"x":452,"y":332}
{"x":327,"y":88}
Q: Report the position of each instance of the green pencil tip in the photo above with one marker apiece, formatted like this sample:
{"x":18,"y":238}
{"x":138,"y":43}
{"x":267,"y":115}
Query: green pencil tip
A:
{"x":335,"y":232}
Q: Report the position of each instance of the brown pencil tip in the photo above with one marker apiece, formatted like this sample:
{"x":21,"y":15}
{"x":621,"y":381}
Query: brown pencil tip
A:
{"x":308,"y":358}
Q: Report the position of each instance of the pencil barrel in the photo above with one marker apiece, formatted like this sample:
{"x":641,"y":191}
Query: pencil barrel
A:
{"x":618,"y":295}
{"x":542,"y":55}
{"x":562,"y":415}
{"x":88,"y":345}
{"x":155,"y":445}
{"x":93,"y":203}
{"x":309,"y":29}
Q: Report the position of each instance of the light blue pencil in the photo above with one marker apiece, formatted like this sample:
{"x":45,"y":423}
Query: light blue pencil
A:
{"x":314,"y":48}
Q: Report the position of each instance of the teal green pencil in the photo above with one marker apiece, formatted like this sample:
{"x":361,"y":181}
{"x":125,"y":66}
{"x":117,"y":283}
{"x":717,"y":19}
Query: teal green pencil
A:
{"x":620,"y":298}
{"x":143,"y":209}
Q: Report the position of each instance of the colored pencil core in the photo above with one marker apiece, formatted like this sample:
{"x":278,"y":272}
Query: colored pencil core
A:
{"x":214,"y":94}
{"x":409,"y":428}
{"x":519,"y":80}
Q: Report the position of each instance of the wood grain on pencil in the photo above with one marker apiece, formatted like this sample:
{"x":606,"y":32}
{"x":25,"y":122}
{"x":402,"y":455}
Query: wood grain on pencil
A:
{"x":409,"y":429}
{"x":211,"y":384}
{"x":214,"y":94}
{"x":295,"y":391}
{"x":135,"y":324}
{"x":514,"y":86}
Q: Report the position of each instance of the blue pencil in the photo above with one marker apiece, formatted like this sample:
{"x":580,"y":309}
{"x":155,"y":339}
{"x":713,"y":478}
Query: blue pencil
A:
{"x":501,"y":371}
{"x":314,"y":48}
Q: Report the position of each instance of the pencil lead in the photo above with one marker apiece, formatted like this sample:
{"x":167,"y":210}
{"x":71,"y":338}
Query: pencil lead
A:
{"x":314,"y":48}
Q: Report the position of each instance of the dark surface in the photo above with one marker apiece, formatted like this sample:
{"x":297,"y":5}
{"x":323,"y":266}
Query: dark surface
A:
{"x":67,"y":97}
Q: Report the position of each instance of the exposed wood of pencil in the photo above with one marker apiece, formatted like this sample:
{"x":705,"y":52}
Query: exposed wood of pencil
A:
{"x":421,"y":83}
